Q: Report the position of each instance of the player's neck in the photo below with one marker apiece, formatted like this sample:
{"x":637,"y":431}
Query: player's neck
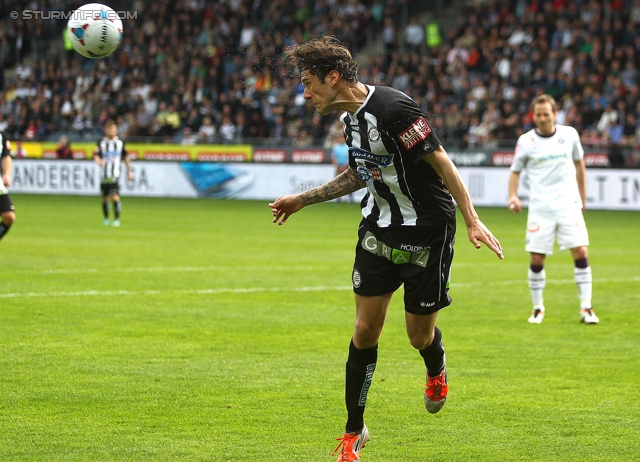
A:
{"x":352,"y":97}
{"x":546,"y":131}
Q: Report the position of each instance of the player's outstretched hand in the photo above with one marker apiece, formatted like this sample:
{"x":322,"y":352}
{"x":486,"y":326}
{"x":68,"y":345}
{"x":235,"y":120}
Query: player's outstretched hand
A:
{"x":478,"y":233}
{"x":285,"y":206}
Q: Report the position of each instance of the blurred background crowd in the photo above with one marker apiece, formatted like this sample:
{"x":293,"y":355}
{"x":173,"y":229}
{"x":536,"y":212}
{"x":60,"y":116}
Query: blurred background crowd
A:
{"x":195,"y":71}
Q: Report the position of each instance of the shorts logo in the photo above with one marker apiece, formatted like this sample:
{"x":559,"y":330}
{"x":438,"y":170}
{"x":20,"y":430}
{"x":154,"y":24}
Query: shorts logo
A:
{"x":417,"y":132}
{"x":370,"y":243}
{"x":356,"y":278}
{"x":533,"y":227}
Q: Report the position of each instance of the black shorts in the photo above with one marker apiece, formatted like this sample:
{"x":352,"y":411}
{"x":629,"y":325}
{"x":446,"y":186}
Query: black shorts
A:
{"x":109,"y":189}
{"x":5,"y":203}
{"x":418,"y":257}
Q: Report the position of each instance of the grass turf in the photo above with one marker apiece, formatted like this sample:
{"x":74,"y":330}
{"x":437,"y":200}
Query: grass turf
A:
{"x":198,"y":330}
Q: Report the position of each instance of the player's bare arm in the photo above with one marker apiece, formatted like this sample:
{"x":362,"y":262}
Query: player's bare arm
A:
{"x":97,"y":158}
{"x":345,"y":183}
{"x":581,"y":178}
{"x":476,"y":230}
{"x":515,"y":205}
{"x":127,"y":162}
{"x":6,"y":168}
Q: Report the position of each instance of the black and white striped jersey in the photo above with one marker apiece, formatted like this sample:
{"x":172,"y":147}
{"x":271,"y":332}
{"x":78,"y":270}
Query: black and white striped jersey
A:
{"x":5,"y":146}
{"x":388,"y":138}
{"x":112,"y":152}
{"x":5,"y":150}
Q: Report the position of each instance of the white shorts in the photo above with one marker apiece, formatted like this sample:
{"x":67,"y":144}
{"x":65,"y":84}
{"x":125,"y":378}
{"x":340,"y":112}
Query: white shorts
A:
{"x":567,"y":225}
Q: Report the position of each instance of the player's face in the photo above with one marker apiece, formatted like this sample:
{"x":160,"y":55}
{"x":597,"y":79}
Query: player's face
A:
{"x":544,"y":117}
{"x":111,"y":131}
{"x":320,"y":94}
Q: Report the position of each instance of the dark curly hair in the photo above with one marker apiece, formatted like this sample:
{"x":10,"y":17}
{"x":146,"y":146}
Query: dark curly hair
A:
{"x":322,"y":55}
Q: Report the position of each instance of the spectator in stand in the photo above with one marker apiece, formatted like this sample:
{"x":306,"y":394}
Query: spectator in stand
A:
{"x":614,"y":137}
{"x":630,"y":130}
{"x":228,"y":130}
{"x":414,"y":35}
{"x":206,"y":131}
{"x":604,"y":122}
{"x":231,"y":57}
{"x":63,"y":150}
{"x":389,"y":37}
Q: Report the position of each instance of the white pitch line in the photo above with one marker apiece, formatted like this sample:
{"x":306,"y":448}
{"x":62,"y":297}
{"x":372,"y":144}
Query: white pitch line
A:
{"x":164,"y":269}
{"x":247,"y":290}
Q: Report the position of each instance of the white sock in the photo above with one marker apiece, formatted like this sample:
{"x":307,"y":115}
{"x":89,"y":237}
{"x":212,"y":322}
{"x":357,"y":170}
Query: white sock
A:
{"x":537,"y":282}
{"x":584,"y":282}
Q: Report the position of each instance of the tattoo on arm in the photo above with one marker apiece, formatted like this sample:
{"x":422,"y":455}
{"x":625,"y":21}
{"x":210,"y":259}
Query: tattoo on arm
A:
{"x":345,"y":183}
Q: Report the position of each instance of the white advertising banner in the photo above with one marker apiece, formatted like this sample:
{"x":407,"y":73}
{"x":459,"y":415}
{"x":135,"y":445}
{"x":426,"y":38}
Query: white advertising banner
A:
{"x":171,"y":179}
{"x":607,"y":189}
{"x":82,"y":177}
{"x":488,"y":186}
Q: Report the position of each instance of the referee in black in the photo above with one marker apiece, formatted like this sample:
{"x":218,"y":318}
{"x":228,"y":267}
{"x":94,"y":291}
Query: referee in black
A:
{"x":408,"y":225}
{"x":110,"y":154}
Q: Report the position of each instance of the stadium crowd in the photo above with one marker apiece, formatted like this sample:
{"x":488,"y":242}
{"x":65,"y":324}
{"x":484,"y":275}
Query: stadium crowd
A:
{"x":191,"y":71}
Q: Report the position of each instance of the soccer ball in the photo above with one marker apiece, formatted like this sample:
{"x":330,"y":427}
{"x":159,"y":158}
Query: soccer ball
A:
{"x":95,"y":30}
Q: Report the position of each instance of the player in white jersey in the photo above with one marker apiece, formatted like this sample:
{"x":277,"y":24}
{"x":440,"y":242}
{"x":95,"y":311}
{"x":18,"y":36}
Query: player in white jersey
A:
{"x":7,"y":210}
{"x":407,"y":232}
{"x":553,"y":159}
{"x":110,"y":153}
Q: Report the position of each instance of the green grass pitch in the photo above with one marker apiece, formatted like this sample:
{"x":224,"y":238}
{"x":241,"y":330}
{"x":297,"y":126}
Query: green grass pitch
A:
{"x":200,"y":331}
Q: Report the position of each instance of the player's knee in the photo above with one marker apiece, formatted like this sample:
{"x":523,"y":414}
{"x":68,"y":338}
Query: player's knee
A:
{"x":537,"y":259}
{"x":579,"y":253}
{"x":367,"y":331}
{"x":420,"y":342}
{"x":8,"y":218}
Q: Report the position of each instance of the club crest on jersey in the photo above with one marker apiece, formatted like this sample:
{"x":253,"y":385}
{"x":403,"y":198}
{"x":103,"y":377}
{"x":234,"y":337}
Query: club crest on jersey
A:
{"x":418,"y":131}
{"x":374,"y":134}
{"x":381,"y":160}
{"x":368,"y":175}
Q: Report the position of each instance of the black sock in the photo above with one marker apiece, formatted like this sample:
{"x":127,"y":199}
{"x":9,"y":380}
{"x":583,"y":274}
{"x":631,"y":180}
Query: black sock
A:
{"x":433,"y":355}
{"x":360,"y":367}
{"x":117,"y":206}
{"x":105,"y":210}
{"x":4,"y":229}
{"x":582,"y":263}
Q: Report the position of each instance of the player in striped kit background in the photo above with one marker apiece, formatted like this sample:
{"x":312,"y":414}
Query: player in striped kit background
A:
{"x":7,"y":210}
{"x":110,"y":153}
